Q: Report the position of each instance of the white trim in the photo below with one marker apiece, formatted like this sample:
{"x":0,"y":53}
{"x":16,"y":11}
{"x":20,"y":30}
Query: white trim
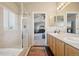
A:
{"x":77,"y":23}
{"x":45,"y":26}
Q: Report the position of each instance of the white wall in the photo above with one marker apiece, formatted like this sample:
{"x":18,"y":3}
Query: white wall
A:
{"x":48,"y":8}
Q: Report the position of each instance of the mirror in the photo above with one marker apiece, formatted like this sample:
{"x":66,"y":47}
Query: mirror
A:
{"x":59,"y":20}
{"x":71,"y":23}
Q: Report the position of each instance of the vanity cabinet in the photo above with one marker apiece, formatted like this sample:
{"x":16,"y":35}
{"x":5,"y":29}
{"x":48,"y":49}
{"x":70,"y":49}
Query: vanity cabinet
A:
{"x":59,"y":48}
{"x":52,"y":44}
{"x":48,"y":40}
{"x":71,"y":51}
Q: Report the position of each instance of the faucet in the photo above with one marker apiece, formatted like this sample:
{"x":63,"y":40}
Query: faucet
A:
{"x":57,"y":31}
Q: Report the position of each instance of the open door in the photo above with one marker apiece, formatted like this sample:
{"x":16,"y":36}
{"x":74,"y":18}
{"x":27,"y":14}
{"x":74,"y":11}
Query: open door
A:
{"x":39,"y":28}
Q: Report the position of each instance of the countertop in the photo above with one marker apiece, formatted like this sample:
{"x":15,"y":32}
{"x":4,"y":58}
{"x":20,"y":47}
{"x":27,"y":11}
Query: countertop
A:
{"x":71,"y":39}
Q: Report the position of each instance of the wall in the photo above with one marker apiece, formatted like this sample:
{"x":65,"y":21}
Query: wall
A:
{"x":12,"y":6}
{"x":49,"y":8}
{"x":73,"y":6}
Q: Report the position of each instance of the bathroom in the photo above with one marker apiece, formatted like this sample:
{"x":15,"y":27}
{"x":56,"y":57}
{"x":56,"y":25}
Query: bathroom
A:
{"x":28,"y":24}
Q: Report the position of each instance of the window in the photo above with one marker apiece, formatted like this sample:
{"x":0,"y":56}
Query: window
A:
{"x":9,"y":19}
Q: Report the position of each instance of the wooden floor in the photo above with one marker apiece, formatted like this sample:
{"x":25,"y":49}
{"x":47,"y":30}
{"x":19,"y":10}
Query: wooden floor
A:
{"x":39,"y":51}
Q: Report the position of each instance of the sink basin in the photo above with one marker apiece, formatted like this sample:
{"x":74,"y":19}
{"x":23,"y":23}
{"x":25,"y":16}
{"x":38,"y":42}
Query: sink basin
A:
{"x":72,"y":40}
{"x":68,"y":35}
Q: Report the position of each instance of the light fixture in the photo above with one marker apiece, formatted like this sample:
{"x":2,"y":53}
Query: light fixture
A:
{"x":60,"y":5}
{"x":63,"y":5}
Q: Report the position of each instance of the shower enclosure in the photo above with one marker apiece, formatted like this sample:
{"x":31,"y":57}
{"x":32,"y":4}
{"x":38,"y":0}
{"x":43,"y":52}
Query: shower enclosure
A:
{"x":12,"y":41}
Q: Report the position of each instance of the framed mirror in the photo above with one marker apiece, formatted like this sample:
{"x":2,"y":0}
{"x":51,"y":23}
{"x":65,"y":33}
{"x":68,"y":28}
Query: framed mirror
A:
{"x":59,"y":20}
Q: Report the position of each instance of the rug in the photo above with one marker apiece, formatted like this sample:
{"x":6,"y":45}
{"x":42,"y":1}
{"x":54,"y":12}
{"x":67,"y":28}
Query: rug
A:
{"x":38,"y":51}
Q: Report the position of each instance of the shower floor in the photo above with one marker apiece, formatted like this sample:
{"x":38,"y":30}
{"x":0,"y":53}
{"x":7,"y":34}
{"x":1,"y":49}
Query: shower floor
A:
{"x":10,"y":51}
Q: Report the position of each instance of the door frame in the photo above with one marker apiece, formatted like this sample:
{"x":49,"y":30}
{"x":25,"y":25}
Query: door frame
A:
{"x":45,"y":26}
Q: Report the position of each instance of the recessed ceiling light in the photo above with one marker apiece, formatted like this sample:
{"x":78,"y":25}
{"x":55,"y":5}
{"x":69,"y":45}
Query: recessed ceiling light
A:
{"x":62,"y":5}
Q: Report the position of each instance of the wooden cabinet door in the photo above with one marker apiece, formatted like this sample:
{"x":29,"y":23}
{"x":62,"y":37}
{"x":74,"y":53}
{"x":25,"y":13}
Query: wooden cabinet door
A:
{"x":48,"y":40}
{"x":71,"y":51}
{"x":53,"y":45}
{"x":59,"y":48}
{"x":51,"y":42}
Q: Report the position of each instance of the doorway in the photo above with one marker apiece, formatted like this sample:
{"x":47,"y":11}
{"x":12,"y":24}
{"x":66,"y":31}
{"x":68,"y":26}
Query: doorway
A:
{"x":39,"y":28}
